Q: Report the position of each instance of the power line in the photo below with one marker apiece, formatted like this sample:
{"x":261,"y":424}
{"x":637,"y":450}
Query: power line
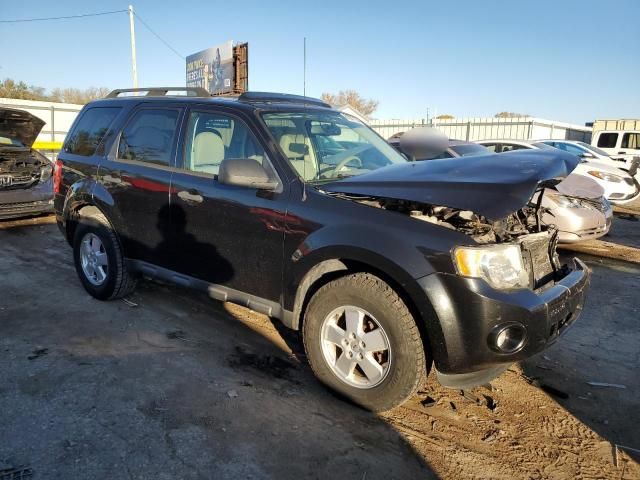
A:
{"x":22,"y":20}
{"x":158,"y":36}
{"x":145,"y":24}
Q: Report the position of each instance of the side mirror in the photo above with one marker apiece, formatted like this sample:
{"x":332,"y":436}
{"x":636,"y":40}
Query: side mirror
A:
{"x":245,"y":172}
{"x":587,"y":155}
{"x":424,"y":143}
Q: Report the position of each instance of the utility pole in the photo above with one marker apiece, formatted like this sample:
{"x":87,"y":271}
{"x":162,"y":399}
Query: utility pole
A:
{"x":304,"y":66}
{"x":134,"y":66}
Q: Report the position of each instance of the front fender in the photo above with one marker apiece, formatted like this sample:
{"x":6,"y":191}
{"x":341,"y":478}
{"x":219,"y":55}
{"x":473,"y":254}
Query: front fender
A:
{"x":331,"y":249}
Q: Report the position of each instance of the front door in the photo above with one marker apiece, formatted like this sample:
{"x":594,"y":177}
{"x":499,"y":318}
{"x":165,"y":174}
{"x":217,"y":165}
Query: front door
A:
{"x":224,"y":234}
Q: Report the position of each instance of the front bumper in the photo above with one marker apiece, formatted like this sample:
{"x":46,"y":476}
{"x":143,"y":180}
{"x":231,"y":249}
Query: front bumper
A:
{"x":28,"y":201}
{"x":469,"y":311}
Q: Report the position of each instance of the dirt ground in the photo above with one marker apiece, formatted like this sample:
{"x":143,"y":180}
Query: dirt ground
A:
{"x":170,"y":384}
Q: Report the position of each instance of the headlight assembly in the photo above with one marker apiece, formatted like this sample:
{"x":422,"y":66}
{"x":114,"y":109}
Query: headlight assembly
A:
{"x":45,"y":173}
{"x":563,"y":201}
{"x":499,"y":265}
{"x":607,"y":177}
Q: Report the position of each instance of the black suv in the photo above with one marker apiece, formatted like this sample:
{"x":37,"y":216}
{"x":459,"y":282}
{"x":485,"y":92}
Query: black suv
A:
{"x":284,"y":205}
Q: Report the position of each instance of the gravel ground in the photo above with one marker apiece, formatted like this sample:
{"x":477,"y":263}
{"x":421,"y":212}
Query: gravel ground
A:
{"x":171,"y":384}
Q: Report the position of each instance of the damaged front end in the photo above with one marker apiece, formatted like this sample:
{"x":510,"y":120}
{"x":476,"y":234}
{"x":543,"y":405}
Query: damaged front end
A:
{"x":523,"y":231}
{"x":494,"y":200}
{"x":26,"y":187}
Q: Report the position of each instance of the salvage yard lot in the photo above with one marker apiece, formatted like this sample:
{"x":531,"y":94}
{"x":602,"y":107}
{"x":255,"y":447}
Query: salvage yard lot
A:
{"x":170,"y":384}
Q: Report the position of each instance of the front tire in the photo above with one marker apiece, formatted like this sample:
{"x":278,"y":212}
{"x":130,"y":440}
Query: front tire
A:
{"x":99,"y":261}
{"x":362,"y":341}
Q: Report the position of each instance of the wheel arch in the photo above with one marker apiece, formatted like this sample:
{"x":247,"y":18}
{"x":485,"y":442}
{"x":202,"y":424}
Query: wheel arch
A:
{"x":406,"y":287}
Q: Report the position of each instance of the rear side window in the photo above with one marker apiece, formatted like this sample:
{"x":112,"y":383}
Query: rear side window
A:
{"x":631,"y":140}
{"x":150,"y":136}
{"x":607,"y":140}
{"x":90,"y":130}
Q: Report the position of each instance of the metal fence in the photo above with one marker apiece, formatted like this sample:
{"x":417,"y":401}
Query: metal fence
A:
{"x":471,"y":129}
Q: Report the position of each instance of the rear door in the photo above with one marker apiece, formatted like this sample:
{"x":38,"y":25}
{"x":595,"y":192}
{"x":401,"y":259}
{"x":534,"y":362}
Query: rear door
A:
{"x":137,"y":175}
{"x":224,"y":234}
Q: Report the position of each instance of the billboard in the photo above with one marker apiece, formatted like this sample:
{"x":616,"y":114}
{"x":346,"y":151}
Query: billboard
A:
{"x":212,"y":69}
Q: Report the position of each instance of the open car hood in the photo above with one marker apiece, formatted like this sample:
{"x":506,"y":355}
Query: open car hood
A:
{"x":19,"y":124}
{"x":492,"y":185}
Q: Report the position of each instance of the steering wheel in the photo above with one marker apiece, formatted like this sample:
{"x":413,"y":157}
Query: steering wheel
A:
{"x":336,"y":170}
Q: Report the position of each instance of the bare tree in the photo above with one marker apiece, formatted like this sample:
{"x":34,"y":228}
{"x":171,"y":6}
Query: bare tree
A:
{"x":350,"y":97}
{"x":11,"y":89}
{"x":77,"y":95}
{"x":510,"y":115}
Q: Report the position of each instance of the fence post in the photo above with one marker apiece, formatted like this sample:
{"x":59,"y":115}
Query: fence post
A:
{"x":468,"y":130}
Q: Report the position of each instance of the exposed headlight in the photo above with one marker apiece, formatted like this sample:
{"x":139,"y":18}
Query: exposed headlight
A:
{"x":565,"y":202}
{"x":499,"y":265}
{"x":607,"y":177}
{"x":45,"y":173}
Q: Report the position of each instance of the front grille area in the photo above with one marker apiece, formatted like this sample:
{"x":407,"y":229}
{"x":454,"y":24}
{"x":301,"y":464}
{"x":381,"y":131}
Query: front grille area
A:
{"x":598,"y":205}
{"x":26,"y":206}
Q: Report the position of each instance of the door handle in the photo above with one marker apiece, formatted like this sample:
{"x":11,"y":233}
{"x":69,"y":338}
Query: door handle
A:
{"x":190,"y":196}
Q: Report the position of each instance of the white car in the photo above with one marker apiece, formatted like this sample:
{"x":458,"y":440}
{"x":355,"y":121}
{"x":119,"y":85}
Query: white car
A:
{"x":590,"y":153}
{"x":619,"y":187}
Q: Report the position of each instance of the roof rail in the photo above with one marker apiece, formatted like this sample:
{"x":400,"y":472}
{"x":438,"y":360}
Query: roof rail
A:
{"x":161,"y":91}
{"x":258,"y":97}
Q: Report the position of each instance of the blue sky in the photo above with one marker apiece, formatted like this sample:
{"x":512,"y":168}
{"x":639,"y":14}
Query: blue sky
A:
{"x":564,"y":60}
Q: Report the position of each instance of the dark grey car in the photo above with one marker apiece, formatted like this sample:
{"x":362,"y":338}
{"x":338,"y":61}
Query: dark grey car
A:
{"x":26,"y":187}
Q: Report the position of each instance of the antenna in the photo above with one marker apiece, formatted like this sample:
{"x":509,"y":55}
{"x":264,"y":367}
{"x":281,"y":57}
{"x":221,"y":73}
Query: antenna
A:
{"x":304,"y":66}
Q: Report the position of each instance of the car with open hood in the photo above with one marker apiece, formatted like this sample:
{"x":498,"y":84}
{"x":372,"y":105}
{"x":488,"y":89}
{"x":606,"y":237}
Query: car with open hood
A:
{"x":388,"y":268}
{"x":26,"y":187}
{"x":576,"y":206}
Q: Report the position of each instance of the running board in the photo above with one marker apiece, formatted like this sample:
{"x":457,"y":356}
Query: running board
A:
{"x":217,"y":292}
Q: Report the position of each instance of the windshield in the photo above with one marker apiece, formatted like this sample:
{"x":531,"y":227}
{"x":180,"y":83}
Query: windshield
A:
{"x":323,"y":146}
{"x":467,"y":150}
{"x":593,"y":149}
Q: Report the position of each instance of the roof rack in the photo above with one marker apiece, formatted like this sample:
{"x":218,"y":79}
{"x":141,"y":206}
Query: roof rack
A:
{"x":161,"y":91}
{"x":259,"y":97}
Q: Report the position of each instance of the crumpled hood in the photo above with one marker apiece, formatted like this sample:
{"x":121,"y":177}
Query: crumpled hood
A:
{"x":491,"y":185}
{"x":19,"y":124}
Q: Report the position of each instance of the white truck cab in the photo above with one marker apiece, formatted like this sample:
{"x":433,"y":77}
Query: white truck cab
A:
{"x":619,"y":138}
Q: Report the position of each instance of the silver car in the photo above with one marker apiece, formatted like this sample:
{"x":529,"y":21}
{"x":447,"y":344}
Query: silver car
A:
{"x":576,"y":206}
{"x":26,"y":187}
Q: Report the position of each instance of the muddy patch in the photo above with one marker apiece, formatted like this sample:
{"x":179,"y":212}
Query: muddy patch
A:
{"x":266,"y":364}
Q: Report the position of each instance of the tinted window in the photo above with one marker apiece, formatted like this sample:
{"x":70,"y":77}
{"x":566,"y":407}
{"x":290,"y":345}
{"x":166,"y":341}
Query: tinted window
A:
{"x":607,"y":140}
{"x":507,"y":147}
{"x":544,"y":146}
{"x":468,"y":150}
{"x":213,"y":137}
{"x":631,"y":140}
{"x":150,"y":136}
{"x":90,"y":130}
{"x":492,"y":147}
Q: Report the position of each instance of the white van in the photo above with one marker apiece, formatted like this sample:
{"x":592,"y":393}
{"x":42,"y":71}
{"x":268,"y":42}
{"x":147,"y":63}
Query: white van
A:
{"x":617,"y":137}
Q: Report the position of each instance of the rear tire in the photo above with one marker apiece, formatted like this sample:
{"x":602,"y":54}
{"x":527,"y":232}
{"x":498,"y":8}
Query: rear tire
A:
{"x":99,"y":261}
{"x":379,"y":375}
